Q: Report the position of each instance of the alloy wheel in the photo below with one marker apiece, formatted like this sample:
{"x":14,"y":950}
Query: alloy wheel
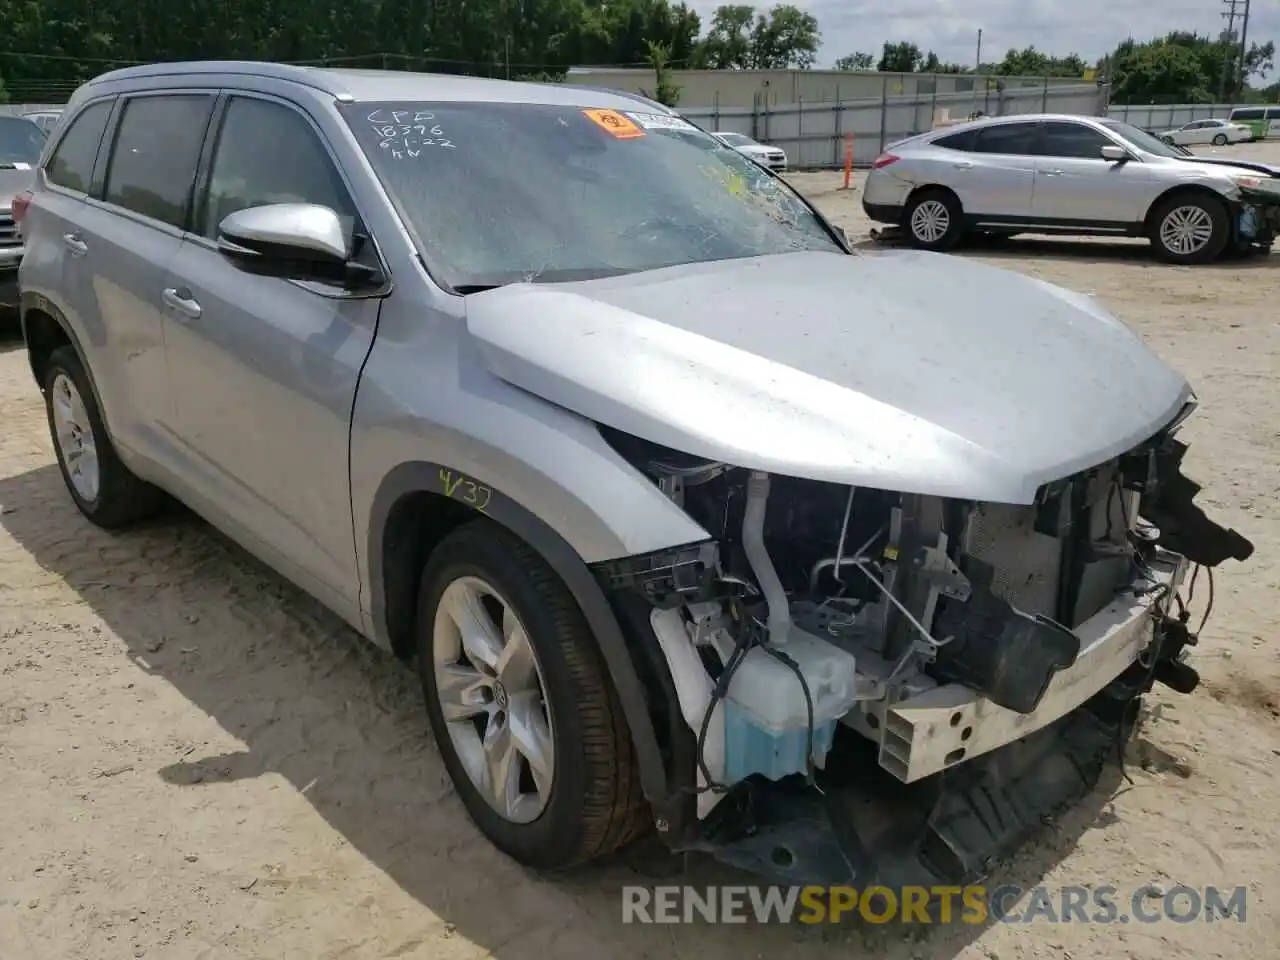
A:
{"x":930,"y":221}
{"x":1186,"y":230}
{"x":493,"y":699}
{"x":75,"y":438}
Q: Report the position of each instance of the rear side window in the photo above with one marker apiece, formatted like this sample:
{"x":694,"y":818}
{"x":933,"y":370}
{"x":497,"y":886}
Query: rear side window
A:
{"x":71,"y":165}
{"x":1015,"y":138}
{"x":963,"y":140}
{"x":157,"y":147}
{"x":1250,"y":113}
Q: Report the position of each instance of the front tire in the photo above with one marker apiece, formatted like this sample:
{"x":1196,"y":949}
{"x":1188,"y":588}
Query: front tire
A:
{"x":107,"y":492}
{"x":1190,"y":229}
{"x":521,"y":704}
{"x":934,"y":220}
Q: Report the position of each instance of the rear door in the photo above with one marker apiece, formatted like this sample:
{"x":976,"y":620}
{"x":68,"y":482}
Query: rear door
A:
{"x":995,"y":176}
{"x":1075,"y":184}
{"x":127,"y":240}
{"x":51,"y":266}
{"x":268,"y":368}
{"x":1203,"y":131}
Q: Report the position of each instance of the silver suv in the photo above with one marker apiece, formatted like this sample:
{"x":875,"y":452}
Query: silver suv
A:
{"x":1061,"y":174}
{"x":682,"y":509}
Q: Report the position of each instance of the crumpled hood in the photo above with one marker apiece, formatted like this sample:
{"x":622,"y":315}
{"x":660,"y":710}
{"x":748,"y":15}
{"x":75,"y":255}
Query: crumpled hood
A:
{"x":1227,"y":166}
{"x":900,"y":370}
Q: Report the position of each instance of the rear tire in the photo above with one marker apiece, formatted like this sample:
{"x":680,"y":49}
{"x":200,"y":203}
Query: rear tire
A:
{"x":933,"y":219}
{"x":107,"y":492}
{"x":575,"y":791}
{"x":1189,"y":229}
{"x":1220,"y":140}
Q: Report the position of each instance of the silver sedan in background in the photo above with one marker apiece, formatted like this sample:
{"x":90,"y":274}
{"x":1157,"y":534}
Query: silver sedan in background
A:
{"x":1065,"y":174}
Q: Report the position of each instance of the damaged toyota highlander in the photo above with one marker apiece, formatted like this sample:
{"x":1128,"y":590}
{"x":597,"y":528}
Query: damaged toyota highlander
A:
{"x":837,"y":566}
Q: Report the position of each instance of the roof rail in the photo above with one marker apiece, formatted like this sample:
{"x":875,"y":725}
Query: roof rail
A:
{"x":306,"y":76}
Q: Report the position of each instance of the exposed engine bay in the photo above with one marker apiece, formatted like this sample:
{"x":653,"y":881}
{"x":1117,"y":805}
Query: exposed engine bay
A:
{"x":930,"y":635}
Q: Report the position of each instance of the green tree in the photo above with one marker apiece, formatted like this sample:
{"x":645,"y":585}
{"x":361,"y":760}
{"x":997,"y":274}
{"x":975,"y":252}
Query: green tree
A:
{"x":728,"y":42}
{"x":900,"y":57}
{"x":932,"y":64}
{"x":857,"y":61}
{"x":1183,"y":67}
{"x":740,"y":38}
{"x":665,"y":90}
{"x":785,"y":37}
{"x":1030,"y":62}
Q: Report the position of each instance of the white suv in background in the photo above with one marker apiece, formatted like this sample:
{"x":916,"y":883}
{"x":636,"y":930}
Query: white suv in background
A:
{"x":767,"y":156}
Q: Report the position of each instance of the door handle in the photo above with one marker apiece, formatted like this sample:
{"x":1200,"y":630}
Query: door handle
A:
{"x":1052,"y":173}
{"x":182,"y":301}
{"x":963,"y":165}
{"x":73,"y":243}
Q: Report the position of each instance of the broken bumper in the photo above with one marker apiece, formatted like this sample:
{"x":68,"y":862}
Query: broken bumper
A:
{"x":954,"y":815}
{"x":947,"y":725}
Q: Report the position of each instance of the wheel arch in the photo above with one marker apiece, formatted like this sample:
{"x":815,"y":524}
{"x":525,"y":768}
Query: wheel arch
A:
{"x":1182,"y":190}
{"x":44,"y":330}
{"x":416,"y":505}
{"x":923,"y":188}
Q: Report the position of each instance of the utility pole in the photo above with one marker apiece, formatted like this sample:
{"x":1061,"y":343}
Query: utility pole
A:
{"x":1244,"y":38}
{"x":977,"y":72}
{"x":1228,"y":38}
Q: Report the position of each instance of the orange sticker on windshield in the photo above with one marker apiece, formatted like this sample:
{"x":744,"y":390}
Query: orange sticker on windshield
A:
{"x":622,"y":127}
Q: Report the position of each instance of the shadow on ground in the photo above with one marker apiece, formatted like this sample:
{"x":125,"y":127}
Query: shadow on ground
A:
{"x":342,"y":722}
{"x":10,"y":331}
{"x":1091,"y":251}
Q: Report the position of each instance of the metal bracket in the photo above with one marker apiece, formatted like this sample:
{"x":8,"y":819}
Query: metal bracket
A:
{"x":941,"y":573}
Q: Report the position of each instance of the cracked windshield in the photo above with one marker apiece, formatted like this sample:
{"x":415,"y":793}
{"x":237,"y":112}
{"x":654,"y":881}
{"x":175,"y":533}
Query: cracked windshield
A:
{"x":504,"y":193}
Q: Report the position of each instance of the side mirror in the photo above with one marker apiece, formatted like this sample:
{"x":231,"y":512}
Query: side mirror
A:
{"x":290,"y":241}
{"x":1114,"y":153}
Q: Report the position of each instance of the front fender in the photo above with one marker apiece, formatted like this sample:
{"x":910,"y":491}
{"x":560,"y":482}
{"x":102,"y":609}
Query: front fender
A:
{"x":419,"y":476}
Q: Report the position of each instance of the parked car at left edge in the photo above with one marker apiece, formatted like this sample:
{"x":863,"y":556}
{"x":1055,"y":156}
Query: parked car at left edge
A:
{"x":767,"y":156}
{"x":21,"y":143}
{"x":46,"y":120}
{"x":1216,"y":132}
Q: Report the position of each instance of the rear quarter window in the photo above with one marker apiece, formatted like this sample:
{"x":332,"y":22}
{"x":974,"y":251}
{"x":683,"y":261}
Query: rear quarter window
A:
{"x":71,"y":165}
{"x":963,"y":140}
{"x":1016,"y":139}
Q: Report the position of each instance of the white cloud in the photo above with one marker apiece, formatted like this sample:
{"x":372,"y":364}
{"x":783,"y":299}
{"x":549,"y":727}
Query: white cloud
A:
{"x":1090,"y":28}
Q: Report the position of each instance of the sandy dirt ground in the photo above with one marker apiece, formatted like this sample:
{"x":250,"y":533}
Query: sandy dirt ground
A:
{"x":197,"y":761}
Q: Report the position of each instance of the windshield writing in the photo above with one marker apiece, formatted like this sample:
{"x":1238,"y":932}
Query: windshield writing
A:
{"x":500,"y":193}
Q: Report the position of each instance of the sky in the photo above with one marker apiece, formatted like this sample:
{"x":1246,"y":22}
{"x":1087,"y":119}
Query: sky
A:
{"x":1090,"y":28}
